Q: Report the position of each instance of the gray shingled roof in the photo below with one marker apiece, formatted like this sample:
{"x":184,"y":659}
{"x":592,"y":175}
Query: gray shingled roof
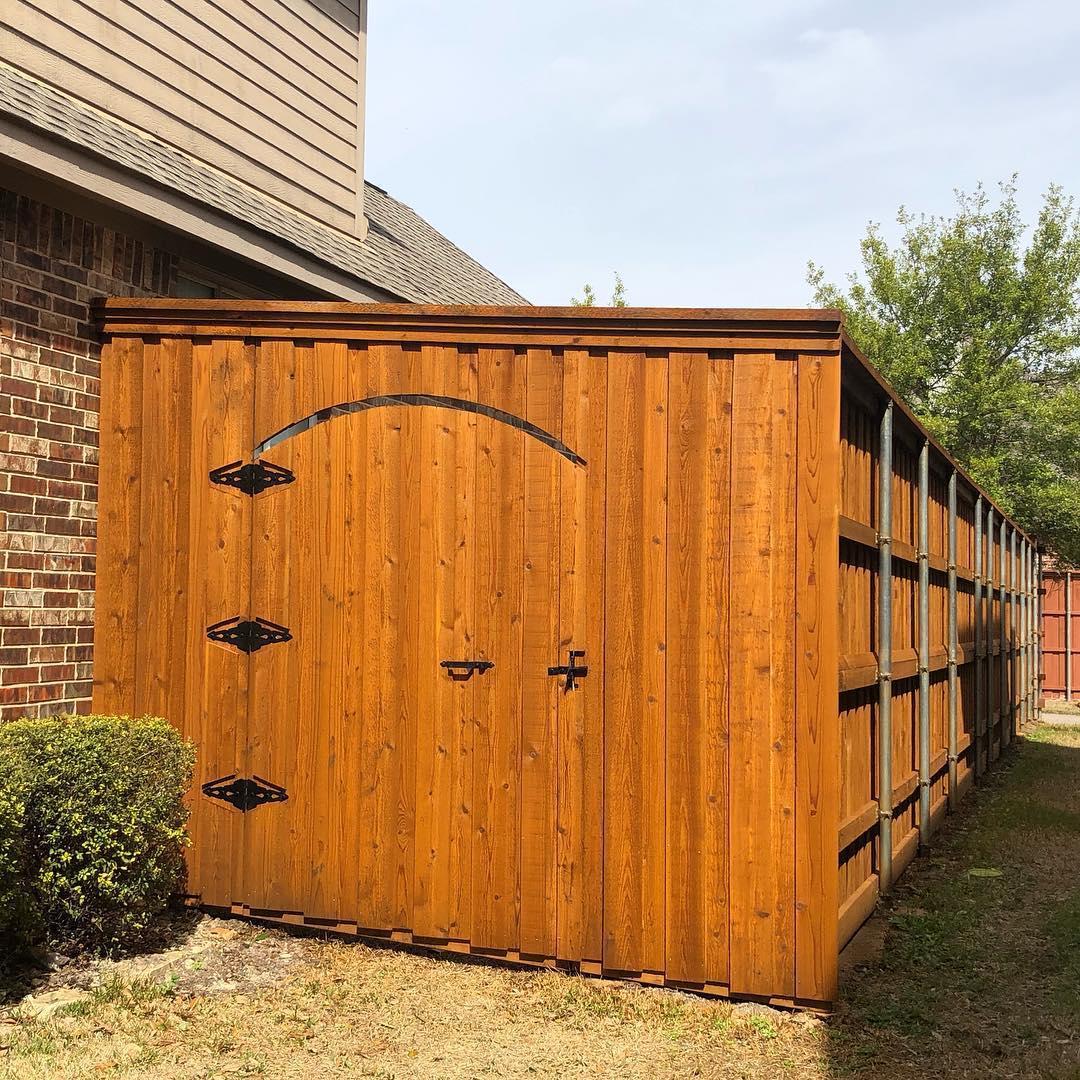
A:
{"x":402,"y":253}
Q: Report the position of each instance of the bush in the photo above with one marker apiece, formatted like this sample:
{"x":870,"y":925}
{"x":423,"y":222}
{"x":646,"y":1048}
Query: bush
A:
{"x":15,"y":907}
{"x":103,"y":827}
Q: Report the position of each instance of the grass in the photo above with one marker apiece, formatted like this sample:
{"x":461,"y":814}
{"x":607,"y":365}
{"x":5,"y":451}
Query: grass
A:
{"x":979,"y":974}
{"x":978,"y":977}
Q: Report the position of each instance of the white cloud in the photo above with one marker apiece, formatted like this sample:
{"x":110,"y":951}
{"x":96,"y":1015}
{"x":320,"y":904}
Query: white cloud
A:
{"x":831,"y":73}
{"x":707,"y":148}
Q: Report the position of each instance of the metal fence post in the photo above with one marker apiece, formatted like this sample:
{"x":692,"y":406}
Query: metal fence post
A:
{"x":991,"y":680}
{"x":1003,"y":669}
{"x":1028,"y":610}
{"x":980,"y":644}
{"x":954,"y":738}
{"x":884,"y":646}
{"x":1013,"y":644}
{"x":923,"y":627}
{"x":1021,"y":658}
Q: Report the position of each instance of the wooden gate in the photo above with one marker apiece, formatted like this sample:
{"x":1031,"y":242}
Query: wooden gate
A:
{"x":495,"y":630}
{"x":435,"y":559}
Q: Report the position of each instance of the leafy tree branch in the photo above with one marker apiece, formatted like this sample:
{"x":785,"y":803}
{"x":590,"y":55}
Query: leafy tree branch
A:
{"x":975,"y":319}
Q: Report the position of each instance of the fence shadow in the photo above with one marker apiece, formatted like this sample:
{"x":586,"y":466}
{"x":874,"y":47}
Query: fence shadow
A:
{"x":972,"y":966}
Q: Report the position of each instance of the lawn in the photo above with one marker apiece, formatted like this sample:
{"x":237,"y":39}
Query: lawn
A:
{"x":972,"y":969}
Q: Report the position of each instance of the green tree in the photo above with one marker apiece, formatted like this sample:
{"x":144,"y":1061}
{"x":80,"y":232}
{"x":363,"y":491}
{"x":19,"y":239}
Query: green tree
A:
{"x":588,"y":294}
{"x":975,"y":319}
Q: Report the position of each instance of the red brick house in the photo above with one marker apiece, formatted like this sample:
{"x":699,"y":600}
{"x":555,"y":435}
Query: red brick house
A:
{"x":170,"y":148}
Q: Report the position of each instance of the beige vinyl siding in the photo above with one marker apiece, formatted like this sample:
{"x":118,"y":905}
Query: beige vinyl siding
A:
{"x":268,"y":92}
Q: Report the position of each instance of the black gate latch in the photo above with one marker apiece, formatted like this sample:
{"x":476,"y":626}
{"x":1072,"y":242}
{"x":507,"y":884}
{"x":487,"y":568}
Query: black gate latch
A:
{"x":460,"y":670}
{"x":571,"y":670}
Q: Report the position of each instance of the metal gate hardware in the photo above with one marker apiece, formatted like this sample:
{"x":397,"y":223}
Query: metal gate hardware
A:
{"x":245,"y":795}
{"x":248,"y":635}
{"x":460,"y":670}
{"x":571,"y":670}
{"x":251,"y":478}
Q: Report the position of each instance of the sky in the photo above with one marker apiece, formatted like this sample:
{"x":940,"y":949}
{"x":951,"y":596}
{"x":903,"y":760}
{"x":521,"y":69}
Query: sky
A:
{"x":707,"y":150}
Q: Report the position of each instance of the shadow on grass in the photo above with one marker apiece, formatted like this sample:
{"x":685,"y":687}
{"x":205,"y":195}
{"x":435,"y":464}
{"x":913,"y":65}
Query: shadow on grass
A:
{"x":40,"y":968}
{"x":977,"y":973}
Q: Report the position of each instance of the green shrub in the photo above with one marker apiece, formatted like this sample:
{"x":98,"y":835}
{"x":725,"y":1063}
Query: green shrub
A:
{"x":15,"y":906}
{"x":104,"y":822}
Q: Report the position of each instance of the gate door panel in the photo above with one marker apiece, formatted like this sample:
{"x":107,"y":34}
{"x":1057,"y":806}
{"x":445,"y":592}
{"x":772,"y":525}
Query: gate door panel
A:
{"x":437,"y":771}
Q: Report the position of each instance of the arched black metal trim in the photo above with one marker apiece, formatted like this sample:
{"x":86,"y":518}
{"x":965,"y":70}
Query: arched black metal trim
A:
{"x":383,"y":400}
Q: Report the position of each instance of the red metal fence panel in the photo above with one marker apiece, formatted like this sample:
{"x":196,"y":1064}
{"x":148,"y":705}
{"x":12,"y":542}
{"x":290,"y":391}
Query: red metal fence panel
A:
{"x":1060,"y":610}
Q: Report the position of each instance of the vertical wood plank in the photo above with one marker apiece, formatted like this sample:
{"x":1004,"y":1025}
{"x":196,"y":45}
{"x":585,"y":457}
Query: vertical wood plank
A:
{"x":462,"y":378}
{"x":634,"y":706}
{"x":500,"y":534}
{"x":277,"y":704}
{"x":699,"y":467}
{"x":440,"y":633}
{"x":540,"y":646}
{"x":817,"y":726}
{"x":116,"y":622}
{"x":338,"y":504}
{"x":160,"y":642}
{"x":762,"y":861}
{"x":386,"y":785}
{"x":295,"y":726}
{"x":580,"y":712}
{"x":220,"y":527}
{"x":654,"y":626}
{"x":412,"y":581}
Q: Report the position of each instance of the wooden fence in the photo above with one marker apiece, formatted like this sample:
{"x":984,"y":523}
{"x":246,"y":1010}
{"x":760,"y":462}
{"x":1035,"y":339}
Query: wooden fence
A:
{"x":938,"y":637}
{"x":515,"y":631}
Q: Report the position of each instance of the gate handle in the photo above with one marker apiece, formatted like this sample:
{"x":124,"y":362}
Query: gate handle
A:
{"x":571,"y":670}
{"x":460,"y":670}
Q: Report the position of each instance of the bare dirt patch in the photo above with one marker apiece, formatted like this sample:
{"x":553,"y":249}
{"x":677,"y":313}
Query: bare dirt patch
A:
{"x":191,"y":952}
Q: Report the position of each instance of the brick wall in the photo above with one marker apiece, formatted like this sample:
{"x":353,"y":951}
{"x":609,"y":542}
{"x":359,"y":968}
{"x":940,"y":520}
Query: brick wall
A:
{"x":52,"y":265}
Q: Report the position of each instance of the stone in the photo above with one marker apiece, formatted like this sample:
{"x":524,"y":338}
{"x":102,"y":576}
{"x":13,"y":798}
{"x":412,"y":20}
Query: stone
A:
{"x":156,"y":969}
{"x":755,"y":1008}
{"x":45,"y":1006}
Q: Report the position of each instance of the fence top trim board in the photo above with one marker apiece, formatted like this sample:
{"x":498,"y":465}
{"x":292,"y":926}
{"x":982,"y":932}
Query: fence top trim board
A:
{"x":807,"y":330}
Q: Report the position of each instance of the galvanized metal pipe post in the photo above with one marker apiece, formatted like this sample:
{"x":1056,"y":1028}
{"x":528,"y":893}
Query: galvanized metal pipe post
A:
{"x":884,"y":649}
{"x":1020,"y":693}
{"x":980,"y":644}
{"x":1033,"y":628}
{"x":1003,"y":667}
{"x":991,"y":680}
{"x":954,"y":738}
{"x":923,"y":627}
{"x":1010,"y":670}
{"x":1025,"y":629}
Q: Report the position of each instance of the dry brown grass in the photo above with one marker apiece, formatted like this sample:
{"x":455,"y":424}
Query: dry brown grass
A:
{"x":351,"y":1010}
{"x":978,"y":977}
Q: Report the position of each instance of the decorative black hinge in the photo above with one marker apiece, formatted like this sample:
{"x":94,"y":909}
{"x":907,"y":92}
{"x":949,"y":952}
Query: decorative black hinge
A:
{"x":570,"y":669}
{"x":251,"y":478}
{"x":248,"y":635}
{"x":245,"y":795}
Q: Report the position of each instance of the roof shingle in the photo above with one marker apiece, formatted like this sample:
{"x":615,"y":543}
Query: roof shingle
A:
{"x":402,"y":253}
